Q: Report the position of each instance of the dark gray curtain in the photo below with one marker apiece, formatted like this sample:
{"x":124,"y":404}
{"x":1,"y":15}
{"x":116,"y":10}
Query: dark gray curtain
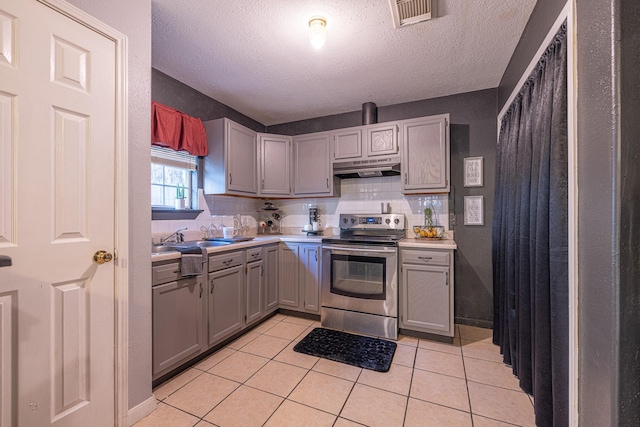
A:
{"x":530,"y":222}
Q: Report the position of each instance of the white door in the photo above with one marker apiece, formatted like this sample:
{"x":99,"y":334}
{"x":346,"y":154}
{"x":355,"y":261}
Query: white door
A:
{"x":57,"y":121}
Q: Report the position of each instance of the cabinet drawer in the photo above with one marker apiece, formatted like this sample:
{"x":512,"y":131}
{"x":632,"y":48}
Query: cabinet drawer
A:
{"x":425,"y":257}
{"x":231,"y":259}
{"x":254,"y":254}
{"x":165,"y":273}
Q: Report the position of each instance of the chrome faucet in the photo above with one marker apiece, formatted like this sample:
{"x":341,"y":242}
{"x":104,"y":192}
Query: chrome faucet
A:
{"x":177,"y":236}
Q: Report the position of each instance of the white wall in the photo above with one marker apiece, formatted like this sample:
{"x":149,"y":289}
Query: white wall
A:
{"x":133,"y":18}
{"x":358,"y":195}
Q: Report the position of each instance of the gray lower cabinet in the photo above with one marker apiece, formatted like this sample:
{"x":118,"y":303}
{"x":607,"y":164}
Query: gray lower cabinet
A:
{"x":253,"y":292}
{"x":427,"y":291}
{"x":177,"y":323}
{"x":225,"y":296}
{"x":300,"y":277}
{"x":270,"y":280}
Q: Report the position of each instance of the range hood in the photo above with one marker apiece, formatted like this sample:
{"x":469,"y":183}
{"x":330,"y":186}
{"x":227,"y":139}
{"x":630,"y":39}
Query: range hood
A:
{"x":367,"y":168}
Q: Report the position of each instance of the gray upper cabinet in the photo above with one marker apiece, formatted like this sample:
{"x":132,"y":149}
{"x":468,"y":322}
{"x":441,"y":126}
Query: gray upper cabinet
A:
{"x":275,"y":165}
{"x":382,"y":139}
{"x":347,"y":144}
{"x":425,"y":155}
{"x":312,"y":166}
{"x":231,"y":167}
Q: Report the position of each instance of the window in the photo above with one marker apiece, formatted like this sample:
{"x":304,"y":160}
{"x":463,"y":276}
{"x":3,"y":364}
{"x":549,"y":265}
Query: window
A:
{"x":171,"y":170}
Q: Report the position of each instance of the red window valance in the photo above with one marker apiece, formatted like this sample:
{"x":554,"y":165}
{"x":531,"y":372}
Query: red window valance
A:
{"x":172,"y":129}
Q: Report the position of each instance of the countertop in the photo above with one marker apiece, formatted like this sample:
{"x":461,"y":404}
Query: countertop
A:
{"x":412,"y":242}
{"x":257,"y":241}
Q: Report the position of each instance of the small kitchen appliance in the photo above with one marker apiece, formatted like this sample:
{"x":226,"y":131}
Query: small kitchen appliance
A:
{"x":359,"y":277}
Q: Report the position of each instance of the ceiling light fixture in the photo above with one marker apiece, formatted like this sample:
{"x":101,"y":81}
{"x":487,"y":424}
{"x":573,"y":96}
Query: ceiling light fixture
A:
{"x":317,"y":31}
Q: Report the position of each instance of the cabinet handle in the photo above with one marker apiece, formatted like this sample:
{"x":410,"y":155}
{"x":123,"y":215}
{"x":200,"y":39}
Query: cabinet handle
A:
{"x":327,"y":183}
{"x":263,"y":184}
{"x":405,"y":178}
{"x":211,"y":290}
{"x":230,"y":178}
{"x":446,"y":273}
{"x":176,"y":271}
{"x":316,"y":256}
{"x":425,"y":258}
{"x":200,"y":290}
{"x":261,"y":270}
{"x":227,"y":262}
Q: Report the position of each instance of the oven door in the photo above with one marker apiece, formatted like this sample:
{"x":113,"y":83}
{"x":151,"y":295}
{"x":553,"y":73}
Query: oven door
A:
{"x":360,"y":278}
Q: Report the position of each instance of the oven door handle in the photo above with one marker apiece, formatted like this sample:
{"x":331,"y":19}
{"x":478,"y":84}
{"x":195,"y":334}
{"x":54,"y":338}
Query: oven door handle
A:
{"x":359,"y":250}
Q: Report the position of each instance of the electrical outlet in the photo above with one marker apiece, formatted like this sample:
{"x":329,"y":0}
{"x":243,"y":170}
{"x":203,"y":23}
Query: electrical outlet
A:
{"x":452,"y":219}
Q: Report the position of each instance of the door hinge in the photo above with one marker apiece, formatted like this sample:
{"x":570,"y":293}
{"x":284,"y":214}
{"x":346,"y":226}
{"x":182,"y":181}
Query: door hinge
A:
{"x":245,"y":318}
{"x":230,"y":178}
{"x":327,"y":183}
{"x":446,"y":273}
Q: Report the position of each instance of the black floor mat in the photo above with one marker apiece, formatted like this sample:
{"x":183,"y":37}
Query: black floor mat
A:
{"x":365,"y":352}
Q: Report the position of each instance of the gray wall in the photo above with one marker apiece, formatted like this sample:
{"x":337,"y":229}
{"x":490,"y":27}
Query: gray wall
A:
{"x":608,"y":42}
{"x":169,"y":91}
{"x":473,"y":133}
{"x":134,"y":20}
{"x":542,"y":18}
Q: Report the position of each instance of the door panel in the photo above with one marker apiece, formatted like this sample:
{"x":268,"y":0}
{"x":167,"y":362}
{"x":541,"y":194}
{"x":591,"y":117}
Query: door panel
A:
{"x":57,"y":145}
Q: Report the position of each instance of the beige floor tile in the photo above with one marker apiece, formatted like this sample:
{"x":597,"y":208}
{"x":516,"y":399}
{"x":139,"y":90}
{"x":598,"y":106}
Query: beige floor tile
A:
{"x":214,"y":359}
{"x":373,"y":407}
{"x":266,"y":346}
{"x":294,"y":414}
{"x":243,"y":340}
{"x":491,"y":373}
{"x":304,"y":333}
{"x":479,"y":421}
{"x":441,"y":389}
{"x":341,"y":422}
{"x":279,"y":317}
{"x":175,"y":383}
{"x":285,"y":330}
{"x":167,"y":416}
{"x":405,"y":355}
{"x":397,"y":380}
{"x":322,"y":392}
{"x":442,"y":363}
{"x":239,"y":366}
{"x":481,"y":350}
{"x":264,"y":326}
{"x":204,"y":423}
{"x":473,"y":333}
{"x":277,"y":378}
{"x":501,"y":404}
{"x":407,"y":340}
{"x":299,"y":321}
{"x":337,"y":369}
{"x":245,"y":407}
{"x":453,"y":348}
{"x":425,"y":414}
{"x":202,"y":394}
{"x":294,"y":358}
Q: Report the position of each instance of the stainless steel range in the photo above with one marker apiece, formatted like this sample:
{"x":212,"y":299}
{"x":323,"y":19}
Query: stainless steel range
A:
{"x":360,"y":275}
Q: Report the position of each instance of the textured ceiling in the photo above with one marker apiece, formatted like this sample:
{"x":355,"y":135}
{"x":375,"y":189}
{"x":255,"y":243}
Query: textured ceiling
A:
{"x":254,"y":56}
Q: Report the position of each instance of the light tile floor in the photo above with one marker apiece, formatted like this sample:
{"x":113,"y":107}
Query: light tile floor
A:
{"x":258,"y":380}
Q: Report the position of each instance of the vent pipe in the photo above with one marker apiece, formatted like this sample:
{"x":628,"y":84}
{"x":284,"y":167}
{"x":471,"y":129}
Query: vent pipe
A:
{"x":369,"y":113}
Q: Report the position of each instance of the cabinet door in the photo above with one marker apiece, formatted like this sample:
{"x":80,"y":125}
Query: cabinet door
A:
{"x":425,"y":161}
{"x":242,"y":158}
{"x":253,"y":295}
{"x":270,"y":280}
{"x":347,"y":143}
{"x":289,"y":295}
{"x":382,"y":140}
{"x":225,"y":303}
{"x":310,"y":278}
{"x":426,"y":297}
{"x":275,"y":165}
{"x":177,"y":323}
{"x":311,"y":164}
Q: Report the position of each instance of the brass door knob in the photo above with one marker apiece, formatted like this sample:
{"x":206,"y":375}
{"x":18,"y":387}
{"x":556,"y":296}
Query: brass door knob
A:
{"x":101,"y":257}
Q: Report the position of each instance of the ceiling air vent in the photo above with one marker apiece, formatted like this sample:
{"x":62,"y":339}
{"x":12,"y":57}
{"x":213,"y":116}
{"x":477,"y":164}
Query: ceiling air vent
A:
{"x":407,"y":12}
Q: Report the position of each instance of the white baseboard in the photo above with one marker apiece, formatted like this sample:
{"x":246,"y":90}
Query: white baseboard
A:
{"x":141,"y":410}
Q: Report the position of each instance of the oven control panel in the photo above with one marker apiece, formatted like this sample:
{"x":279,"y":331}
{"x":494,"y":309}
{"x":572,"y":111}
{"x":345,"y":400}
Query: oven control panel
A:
{"x":372,"y":222}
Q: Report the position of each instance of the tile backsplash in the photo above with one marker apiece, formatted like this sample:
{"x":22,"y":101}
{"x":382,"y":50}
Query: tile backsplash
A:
{"x":358,"y":195}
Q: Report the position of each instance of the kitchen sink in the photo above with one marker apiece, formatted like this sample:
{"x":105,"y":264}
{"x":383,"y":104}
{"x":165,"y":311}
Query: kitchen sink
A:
{"x":169,"y":247}
{"x":157,"y":249}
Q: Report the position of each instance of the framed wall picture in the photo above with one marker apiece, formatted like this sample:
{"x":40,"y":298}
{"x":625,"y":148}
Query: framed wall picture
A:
{"x":473,"y":172}
{"x":473,"y":210}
